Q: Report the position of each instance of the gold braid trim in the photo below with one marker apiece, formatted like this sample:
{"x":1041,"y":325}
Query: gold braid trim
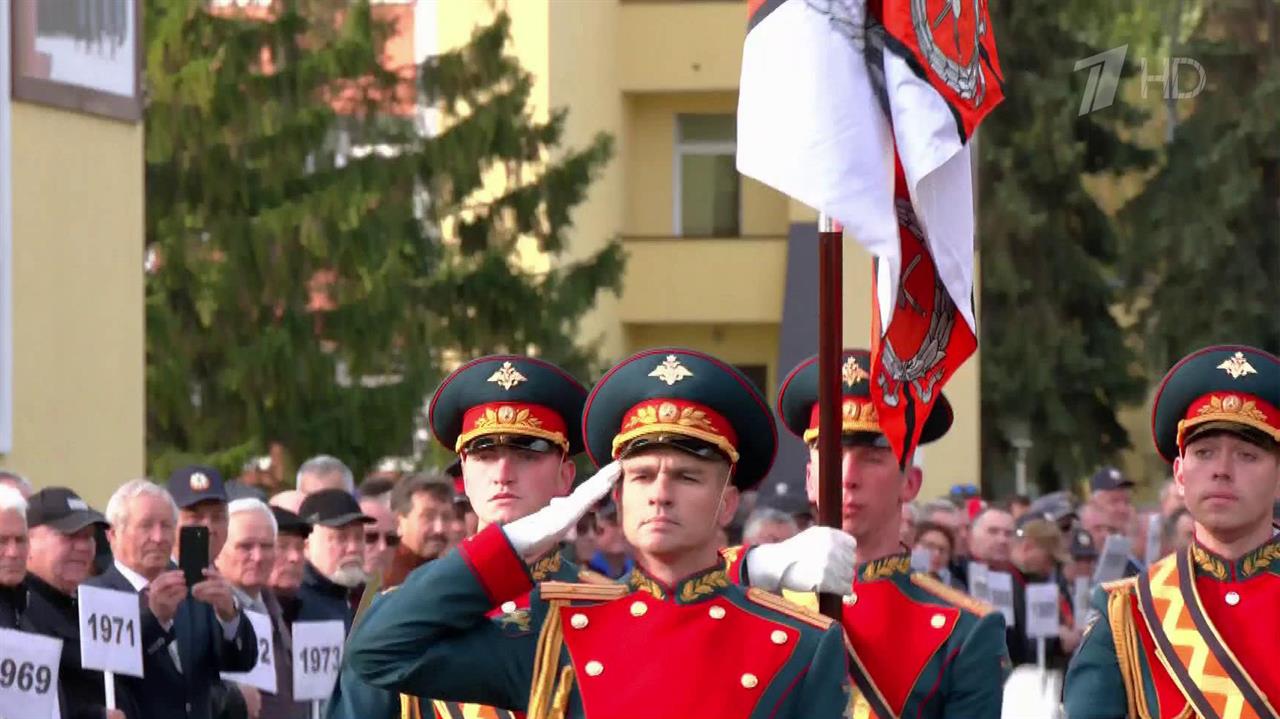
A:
{"x":546,"y":659}
{"x":782,"y":606}
{"x":1124,"y":636}
{"x":951,"y":595}
{"x":572,"y":591}
{"x":560,"y":706}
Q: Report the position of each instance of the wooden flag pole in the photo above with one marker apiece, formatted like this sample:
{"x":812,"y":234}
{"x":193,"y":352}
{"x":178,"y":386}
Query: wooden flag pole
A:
{"x":830,"y":349}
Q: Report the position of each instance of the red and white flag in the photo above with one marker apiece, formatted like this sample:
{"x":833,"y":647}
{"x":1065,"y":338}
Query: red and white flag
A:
{"x":863,"y":109}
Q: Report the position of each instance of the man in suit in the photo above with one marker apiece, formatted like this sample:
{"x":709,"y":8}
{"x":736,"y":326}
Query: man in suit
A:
{"x":189,"y":634}
{"x":62,"y":530}
{"x":246,"y":561}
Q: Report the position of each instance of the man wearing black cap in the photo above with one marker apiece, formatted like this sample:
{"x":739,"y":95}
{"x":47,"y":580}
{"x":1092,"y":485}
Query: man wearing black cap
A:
{"x":678,"y":639}
{"x":62,"y":549}
{"x":1111,"y":490}
{"x":291,"y":560}
{"x":335,"y":556}
{"x":189,"y":634}
{"x":1195,"y":633}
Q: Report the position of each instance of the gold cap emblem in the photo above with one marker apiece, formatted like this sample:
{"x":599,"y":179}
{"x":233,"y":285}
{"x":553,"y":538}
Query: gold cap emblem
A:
{"x":199,"y":482}
{"x":852,"y":374}
{"x":671,"y":371}
{"x":507,"y":376}
{"x":1237,"y":366}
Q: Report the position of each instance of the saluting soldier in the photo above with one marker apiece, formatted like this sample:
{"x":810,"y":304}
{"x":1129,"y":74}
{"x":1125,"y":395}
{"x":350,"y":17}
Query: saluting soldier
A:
{"x":687,"y":433}
{"x":919,"y":647}
{"x":514,"y":422}
{"x":1196,"y":633}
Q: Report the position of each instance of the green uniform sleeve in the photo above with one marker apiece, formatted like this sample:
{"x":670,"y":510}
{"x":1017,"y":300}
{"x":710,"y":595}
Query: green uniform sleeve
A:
{"x":1094,"y":687}
{"x":977,"y":675}
{"x":430,"y":638}
{"x":353,"y":699}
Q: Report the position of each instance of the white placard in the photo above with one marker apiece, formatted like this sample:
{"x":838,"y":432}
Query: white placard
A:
{"x":1000,"y":584}
{"x":1080,"y":591}
{"x":110,"y":631}
{"x":978,"y":587}
{"x":1113,"y":560}
{"x":1155,"y":539}
{"x":29,"y":673}
{"x":263,"y":674}
{"x":1042,"y":610}
{"x":921,"y":559}
{"x":317,"y":657}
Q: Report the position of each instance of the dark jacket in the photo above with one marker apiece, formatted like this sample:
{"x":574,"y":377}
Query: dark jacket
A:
{"x":13,"y":604}
{"x":55,"y":614}
{"x":281,"y":704}
{"x":320,"y":599}
{"x":167,"y":692}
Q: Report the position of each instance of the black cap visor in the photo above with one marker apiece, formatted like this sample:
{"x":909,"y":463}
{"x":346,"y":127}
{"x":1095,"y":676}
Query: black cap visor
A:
{"x":76,"y":521}
{"x":689,"y":445}
{"x":519,"y":441}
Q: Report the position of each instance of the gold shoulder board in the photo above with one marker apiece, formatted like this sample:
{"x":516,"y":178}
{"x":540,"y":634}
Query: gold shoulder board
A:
{"x":951,"y":595}
{"x":782,"y":606}
{"x":575,"y":591}
{"x":588,"y":576}
{"x":1125,"y":584}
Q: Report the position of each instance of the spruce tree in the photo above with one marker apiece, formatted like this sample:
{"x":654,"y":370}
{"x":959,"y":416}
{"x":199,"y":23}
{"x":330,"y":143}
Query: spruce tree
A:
{"x":316,"y":257}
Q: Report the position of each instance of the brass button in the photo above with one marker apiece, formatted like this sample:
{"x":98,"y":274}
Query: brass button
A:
{"x":1233,"y":598}
{"x":578,"y":621}
{"x":594,"y":668}
{"x":508,"y":607}
{"x":749,"y":681}
{"x":716,"y":612}
{"x":938,"y":621}
{"x":850,"y":599}
{"x":778,"y":637}
{"x":638,"y":608}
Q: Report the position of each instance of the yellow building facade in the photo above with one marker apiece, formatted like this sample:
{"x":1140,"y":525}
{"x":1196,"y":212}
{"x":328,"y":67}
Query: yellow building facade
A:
{"x":715,"y":261}
{"x":72,"y":393}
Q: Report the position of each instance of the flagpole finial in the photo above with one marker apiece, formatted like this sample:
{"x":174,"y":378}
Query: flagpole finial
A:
{"x":827,"y":223}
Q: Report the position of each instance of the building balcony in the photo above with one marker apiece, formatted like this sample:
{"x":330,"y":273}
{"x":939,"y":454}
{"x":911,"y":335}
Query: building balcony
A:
{"x":672,"y":280}
{"x":680,"y":45}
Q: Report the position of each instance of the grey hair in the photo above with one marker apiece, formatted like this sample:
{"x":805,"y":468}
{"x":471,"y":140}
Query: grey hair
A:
{"x":247,"y":505}
{"x":762,"y":516}
{"x":17,"y":479}
{"x":11,"y":501}
{"x":912,"y":510}
{"x":326,"y":464}
{"x":118,"y":505}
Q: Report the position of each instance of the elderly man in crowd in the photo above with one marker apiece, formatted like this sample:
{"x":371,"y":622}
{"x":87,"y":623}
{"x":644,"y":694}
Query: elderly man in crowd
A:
{"x":424,"y":508}
{"x":291,"y":560}
{"x":247,"y":561}
{"x":62,"y":529}
{"x":324,"y":472}
{"x":189,"y":634}
{"x":766,"y":525}
{"x":334,"y":572}
{"x":13,"y":557}
{"x":991,"y":540}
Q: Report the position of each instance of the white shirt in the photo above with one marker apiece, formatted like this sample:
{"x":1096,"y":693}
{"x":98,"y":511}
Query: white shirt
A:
{"x":140,"y":583}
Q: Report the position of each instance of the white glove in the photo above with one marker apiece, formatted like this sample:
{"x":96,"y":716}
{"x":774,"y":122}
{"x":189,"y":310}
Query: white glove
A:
{"x":819,"y":559}
{"x":533,"y":535}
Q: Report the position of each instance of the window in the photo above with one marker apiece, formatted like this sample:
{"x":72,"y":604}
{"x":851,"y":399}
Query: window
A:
{"x":706,"y":182}
{"x":758,"y":374}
